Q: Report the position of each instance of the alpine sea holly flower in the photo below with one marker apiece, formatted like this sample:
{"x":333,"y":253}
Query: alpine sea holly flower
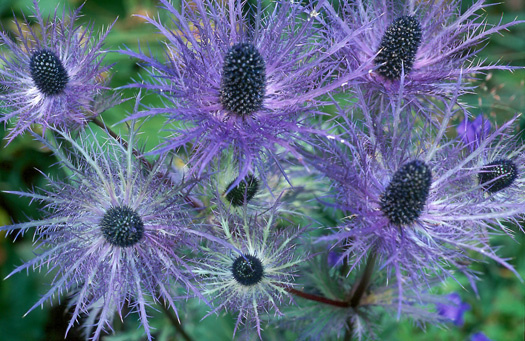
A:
{"x":251,"y":276}
{"x":115,"y":233}
{"x":453,"y":309}
{"x":254,"y":193}
{"x":52,"y":74}
{"x":419,"y":48}
{"x":497,"y":176}
{"x":237,"y":87}
{"x":410,"y":195}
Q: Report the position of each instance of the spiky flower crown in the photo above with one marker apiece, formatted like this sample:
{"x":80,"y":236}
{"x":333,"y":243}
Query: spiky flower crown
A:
{"x":53,"y":74}
{"x":253,"y":274}
{"x":116,"y":230}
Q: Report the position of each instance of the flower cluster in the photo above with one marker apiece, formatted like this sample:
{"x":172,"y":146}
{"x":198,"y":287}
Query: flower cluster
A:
{"x":313,"y":171}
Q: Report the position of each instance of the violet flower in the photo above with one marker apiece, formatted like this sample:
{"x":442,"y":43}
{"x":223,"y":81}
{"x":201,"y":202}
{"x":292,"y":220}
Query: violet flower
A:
{"x":53,"y":73}
{"x":115,"y":234}
{"x":237,"y":88}
{"x":473,"y":132}
{"x":454,"y":309}
{"x":479,"y":336}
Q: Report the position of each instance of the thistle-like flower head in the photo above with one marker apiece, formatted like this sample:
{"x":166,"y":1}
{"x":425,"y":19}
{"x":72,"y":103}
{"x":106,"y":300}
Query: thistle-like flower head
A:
{"x":247,"y":88}
{"x":52,"y":73}
{"x":418,"y":48}
{"x":418,"y":200}
{"x":115,"y":234}
{"x":249,"y":277}
{"x":496,"y":165}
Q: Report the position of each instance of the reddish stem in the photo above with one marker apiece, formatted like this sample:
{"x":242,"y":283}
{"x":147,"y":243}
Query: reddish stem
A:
{"x":316,"y":298}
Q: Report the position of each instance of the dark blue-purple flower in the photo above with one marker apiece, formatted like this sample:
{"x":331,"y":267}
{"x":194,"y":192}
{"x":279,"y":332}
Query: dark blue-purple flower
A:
{"x":52,"y":73}
{"x":454,"y":309}
{"x":235,"y":87}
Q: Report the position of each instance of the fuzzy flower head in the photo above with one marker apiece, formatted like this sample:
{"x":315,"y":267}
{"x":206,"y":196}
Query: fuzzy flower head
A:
{"x":255,"y":193}
{"x":224,"y":187}
{"x":420,"y":48}
{"x":116,"y":232}
{"x":415,"y":200}
{"x":52,"y":74}
{"x":237,"y":86}
{"x":497,"y":178}
{"x":251,"y":275}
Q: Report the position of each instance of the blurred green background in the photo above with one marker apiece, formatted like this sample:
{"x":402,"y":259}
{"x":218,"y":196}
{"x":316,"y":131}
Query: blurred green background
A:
{"x":499,"y":311}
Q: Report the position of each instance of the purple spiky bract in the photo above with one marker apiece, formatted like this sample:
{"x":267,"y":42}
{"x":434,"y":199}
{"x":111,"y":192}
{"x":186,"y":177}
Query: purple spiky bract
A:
{"x":115,"y":234}
{"x":53,"y":73}
{"x":419,"y":49}
{"x":248,"y":90}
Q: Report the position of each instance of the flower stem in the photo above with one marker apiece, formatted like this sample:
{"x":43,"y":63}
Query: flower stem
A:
{"x":175,"y":322}
{"x":316,"y":298}
{"x":359,"y":288}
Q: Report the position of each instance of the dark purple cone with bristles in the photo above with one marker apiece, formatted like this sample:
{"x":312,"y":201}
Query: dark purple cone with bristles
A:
{"x":406,"y":194}
{"x":398,"y":47}
{"x":498,"y":175}
{"x":243,"y":81}
{"x":48,"y":72}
